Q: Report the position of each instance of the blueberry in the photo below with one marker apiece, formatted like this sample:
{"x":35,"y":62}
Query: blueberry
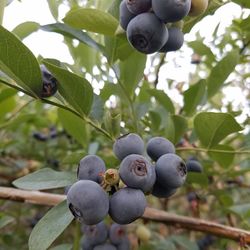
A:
{"x":39,"y":136}
{"x":128,"y":144}
{"x":171,"y":10}
{"x":175,"y":40}
{"x":86,"y":244}
{"x":158,"y":146}
{"x":49,"y":83}
{"x":91,"y":167}
{"x":171,"y":171}
{"x":125,"y":15}
{"x":88,"y":202}
{"x":192,"y":196}
{"x":117,"y":234}
{"x":95,"y":234}
{"x":194,"y":166}
{"x":127,"y":205}
{"x":146,"y":33}
{"x":137,"y":172}
{"x":162,"y":192}
{"x":138,"y":6}
{"x":105,"y":246}
{"x":125,"y":245}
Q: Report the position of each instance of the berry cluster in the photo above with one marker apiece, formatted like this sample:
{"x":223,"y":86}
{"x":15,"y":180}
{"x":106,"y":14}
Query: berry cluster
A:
{"x":102,"y":237}
{"x":90,"y":203}
{"x":144,"y":22}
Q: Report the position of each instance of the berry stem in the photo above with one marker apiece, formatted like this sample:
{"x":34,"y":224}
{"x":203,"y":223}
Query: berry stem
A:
{"x":213,"y":150}
{"x":77,"y":236}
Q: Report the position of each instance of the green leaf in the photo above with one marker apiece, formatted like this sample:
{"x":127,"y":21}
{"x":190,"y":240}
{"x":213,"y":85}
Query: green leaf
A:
{"x":97,"y":109}
{"x":194,"y":96}
{"x":93,"y":20}
{"x":76,"y":90}
{"x":5,"y":220}
{"x":132,"y":70}
{"x":70,"y":32}
{"x":163,"y":99}
{"x":74,"y":126}
{"x":73,"y":158}
{"x":50,"y":227}
{"x":180,"y":127}
{"x":243,"y":3}
{"x":18,"y":62}
{"x":242,"y":210}
{"x":25,"y":29}
{"x":221,"y":71}
{"x":62,"y":247}
{"x":224,"y":159}
{"x":212,"y":127}
{"x":184,"y":242}
{"x":45,"y":178}
{"x":197,"y":178}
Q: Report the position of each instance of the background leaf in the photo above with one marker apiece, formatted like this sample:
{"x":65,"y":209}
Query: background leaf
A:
{"x":25,"y":29}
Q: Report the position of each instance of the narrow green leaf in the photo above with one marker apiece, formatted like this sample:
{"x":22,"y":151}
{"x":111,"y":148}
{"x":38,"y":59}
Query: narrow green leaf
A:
{"x":25,"y":29}
{"x":50,"y":227}
{"x":74,"y":126}
{"x":97,"y":109}
{"x":93,"y":20}
{"x":70,"y":32}
{"x":212,"y":127}
{"x":194,"y":96}
{"x":45,"y":178}
{"x":180,"y":127}
{"x":243,"y":3}
{"x":131,"y":71}
{"x":5,"y":220}
{"x":18,"y":62}
{"x":224,"y":159}
{"x":163,"y":99}
{"x":221,"y":71}
{"x":76,"y":90}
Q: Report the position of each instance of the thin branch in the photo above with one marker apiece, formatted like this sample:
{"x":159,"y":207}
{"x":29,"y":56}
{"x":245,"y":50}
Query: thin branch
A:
{"x":42,"y":198}
{"x":213,"y":150}
{"x":157,"y":71}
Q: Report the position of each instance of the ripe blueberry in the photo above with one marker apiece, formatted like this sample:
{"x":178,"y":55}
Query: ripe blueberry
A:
{"x":171,"y":171}
{"x":175,"y":40}
{"x":162,"y":192}
{"x":117,"y":234}
{"x":127,"y":205}
{"x":137,"y":172}
{"x":91,"y":167}
{"x":194,"y":166}
{"x":171,"y":10}
{"x":125,"y":15}
{"x":95,"y":234}
{"x":128,"y":144}
{"x":147,"y":33}
{"x":138,"y":6}
{"x":105,"y":246}
{"x":86,"y":245}
{"x":158,"y":146}
{"x":88,"y":202}
{"x":49,"y":83}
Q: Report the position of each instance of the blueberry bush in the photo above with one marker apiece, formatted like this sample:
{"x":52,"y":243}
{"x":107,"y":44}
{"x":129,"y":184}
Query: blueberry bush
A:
{"x":114,"y":151}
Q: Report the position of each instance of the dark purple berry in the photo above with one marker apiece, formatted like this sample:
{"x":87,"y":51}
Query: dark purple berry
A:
{"x":158,"y":146}
{"x":175,"y":40}
{"x":194,"y":166}
{"x":146,"y":33}
{"x":125,"y":15}
{"x":95,"y":234}
{"x":88,"y":202}
{"x":91,"y":167}
{"x":138,"y":6}
{"x":49,"y":83}
{"x":171,"y":171}
{"x":117,"y":234}
{"x":127,"y":205}
{"x":39,"y":136}
{"x":137,"y":172}
{"x":171,"y":10}
{"x":162,"y":192}
{"x":128,"y":144}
